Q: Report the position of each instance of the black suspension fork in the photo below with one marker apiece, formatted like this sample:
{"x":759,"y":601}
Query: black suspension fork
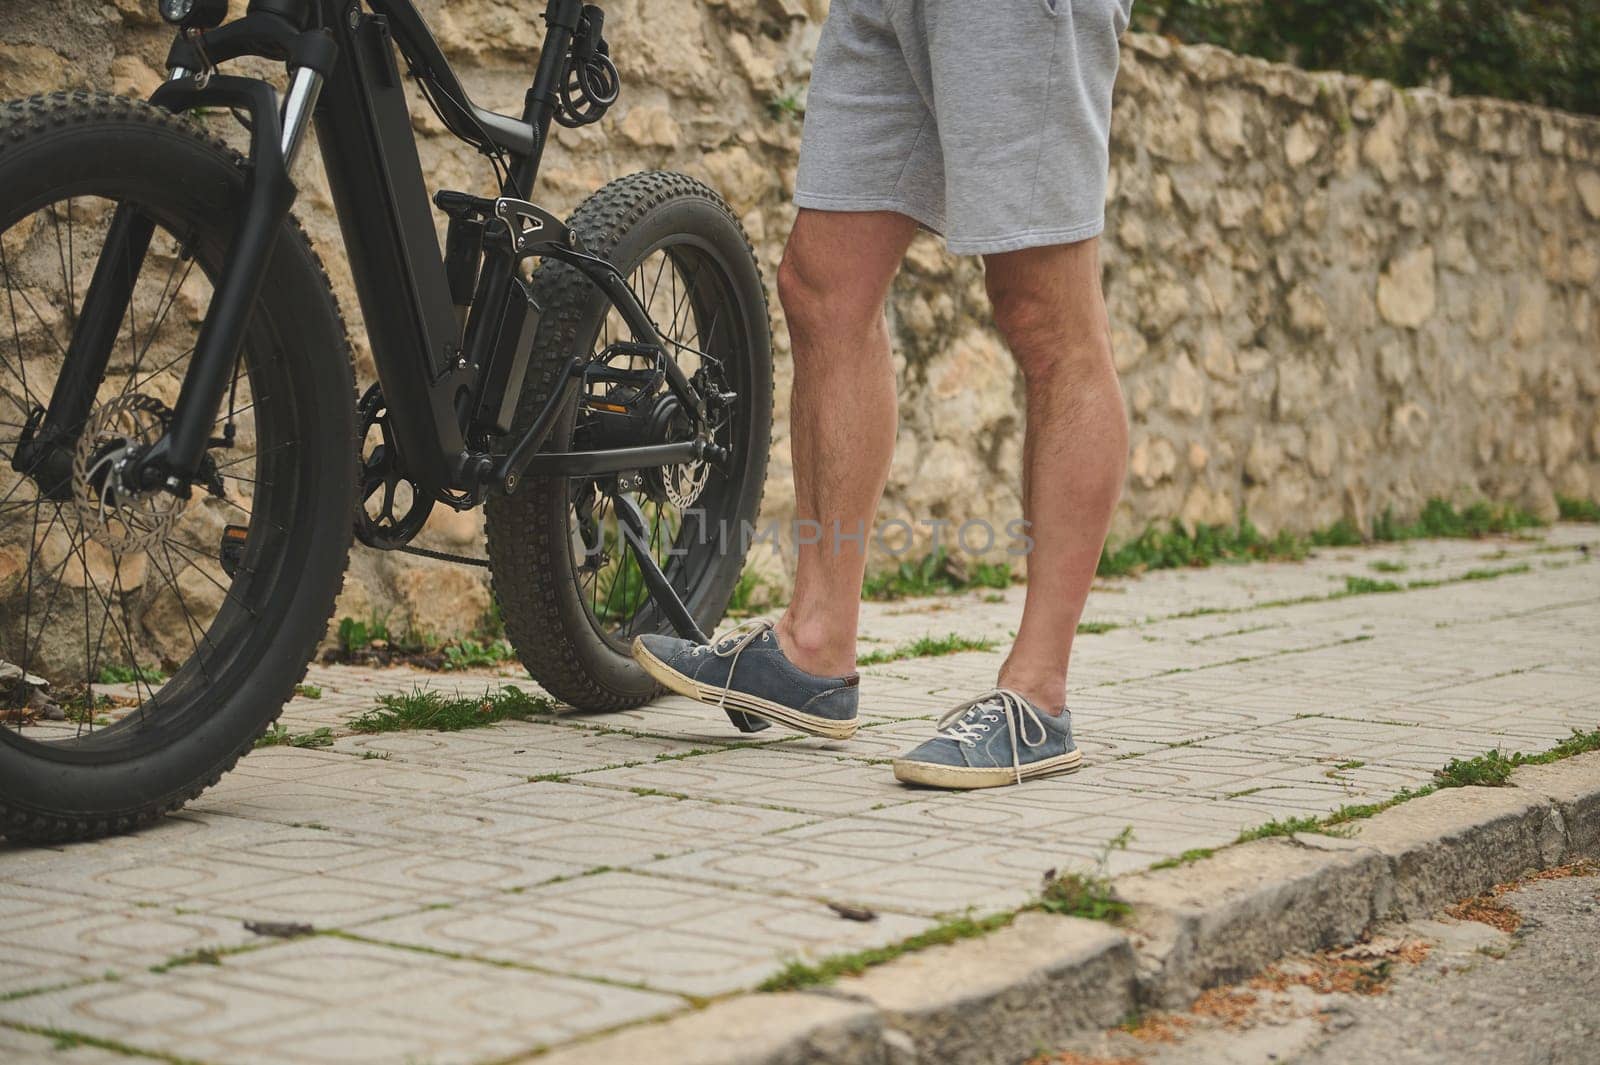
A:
{"x":174,"y":459}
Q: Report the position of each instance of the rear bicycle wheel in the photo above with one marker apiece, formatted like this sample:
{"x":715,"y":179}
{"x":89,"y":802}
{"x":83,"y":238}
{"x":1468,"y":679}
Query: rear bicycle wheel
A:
{"x":569,"y":590}
{"x":147,"y":640}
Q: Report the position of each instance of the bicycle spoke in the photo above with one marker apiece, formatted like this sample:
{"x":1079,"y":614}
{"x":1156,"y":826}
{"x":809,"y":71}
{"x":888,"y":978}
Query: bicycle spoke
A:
{"x":66,"y":269}
{"x":20,"y":371}
{"x":106,"y":582}
{"x":164,"y":305}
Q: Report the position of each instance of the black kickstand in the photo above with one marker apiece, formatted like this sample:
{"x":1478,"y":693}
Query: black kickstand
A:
{"x":666,"y":597}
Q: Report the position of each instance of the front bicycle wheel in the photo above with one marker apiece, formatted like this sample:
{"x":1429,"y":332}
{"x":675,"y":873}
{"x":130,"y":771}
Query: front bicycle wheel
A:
{"x":569,"y":589}
{"x":146,"y":640}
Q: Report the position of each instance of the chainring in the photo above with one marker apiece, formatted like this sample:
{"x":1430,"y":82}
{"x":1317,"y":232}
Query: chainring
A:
{"x":396,"y":520}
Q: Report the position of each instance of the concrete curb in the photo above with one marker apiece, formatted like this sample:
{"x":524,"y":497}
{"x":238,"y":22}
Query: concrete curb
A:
{"x":1004,"y":997}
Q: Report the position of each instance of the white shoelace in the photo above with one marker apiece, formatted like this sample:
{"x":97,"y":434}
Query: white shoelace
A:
{"x":731,"y":644}
{"x":969,"y":722}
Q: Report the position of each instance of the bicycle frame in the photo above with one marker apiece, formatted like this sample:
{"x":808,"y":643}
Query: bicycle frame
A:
{"x":435,"y":374}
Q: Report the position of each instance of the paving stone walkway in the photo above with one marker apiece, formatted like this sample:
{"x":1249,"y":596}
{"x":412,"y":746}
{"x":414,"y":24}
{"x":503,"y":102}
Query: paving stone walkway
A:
{"x":493,"y":892}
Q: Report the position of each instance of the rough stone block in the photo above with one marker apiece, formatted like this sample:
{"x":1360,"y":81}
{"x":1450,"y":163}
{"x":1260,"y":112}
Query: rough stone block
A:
{"x":1573,"y":785}
{"x":999,"y":998}
{"x":782,"y":1029}
{"x":1461,"y":841}
{"x":1224,"y":918}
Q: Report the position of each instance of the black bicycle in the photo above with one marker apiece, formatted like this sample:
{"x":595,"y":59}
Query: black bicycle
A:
{"x":180,"y":452}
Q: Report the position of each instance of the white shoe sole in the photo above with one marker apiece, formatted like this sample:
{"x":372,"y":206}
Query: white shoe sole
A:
{"x":827,"y":728}
{"x":960,"y":776}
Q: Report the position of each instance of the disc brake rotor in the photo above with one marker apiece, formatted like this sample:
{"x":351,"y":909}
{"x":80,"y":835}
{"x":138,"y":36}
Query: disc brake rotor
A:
{"x":115,"y":516}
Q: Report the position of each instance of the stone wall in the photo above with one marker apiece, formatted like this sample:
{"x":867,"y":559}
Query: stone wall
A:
{"x":1329,"y":297}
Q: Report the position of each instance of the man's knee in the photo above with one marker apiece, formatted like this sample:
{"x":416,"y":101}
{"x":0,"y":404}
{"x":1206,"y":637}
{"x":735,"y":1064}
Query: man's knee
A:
{"x":836,"y":269}
{"x":799,"y":290}
{"x":819,"y":303}
{"x":1048,"y":336}
{"x":1048,"y":306}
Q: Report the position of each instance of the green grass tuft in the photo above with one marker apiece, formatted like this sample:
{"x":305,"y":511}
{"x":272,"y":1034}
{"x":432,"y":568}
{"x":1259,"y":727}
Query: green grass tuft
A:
{"x":426,"y":709}
{"x":785,"y":105}
{"x":130,"y":674}
{"x":1578,"y":509}
{"x":473,"y":654}
{"x":1342,"y":533}
{"x":1368,"y":586}
{"x":355,"y":634}
{"x":1287,"y":827}
{"x":928,"y":647}
{"x":280,"y":736}
{"x":938,"y":573}
{"x":1383,"y":565}
{"x":1361,"y":811}
{"x":1579,"y":742}
{"x":1087,"y":895}
{"x":1188,"y":856}
{"x":1492,"y":769}
{"x":1440,"y":520}
{"x":1175,"y":547}
{"x":308,"y":691}
{"x":1095,"y":628}
{"x":1491,"y":572}
{"x":798,"y":974}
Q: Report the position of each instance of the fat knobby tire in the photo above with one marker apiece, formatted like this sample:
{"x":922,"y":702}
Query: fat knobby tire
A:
{"x":90,"y":142}
{"x":530,"y":551}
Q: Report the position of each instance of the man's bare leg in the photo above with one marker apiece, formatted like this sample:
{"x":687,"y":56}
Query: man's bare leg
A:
{"x":1049,"y":307}
{"x":836,"y":272}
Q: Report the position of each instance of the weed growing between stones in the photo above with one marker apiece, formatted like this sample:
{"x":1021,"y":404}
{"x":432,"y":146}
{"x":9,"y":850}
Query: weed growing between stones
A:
{"x":939,"y":573}
{"x":798,"y":974}
{"x":130,"y":675}
{"x":1177,"y":547}
{"x":426,"y":709}
{"x":1578,"y":509}
{"x":1087,"y":895}
{"x":1368,"y":586}
{"x":371,"y":642}
{"x":280,"y":736}
{"x":1193,"y":855}
{"x":928,"y":647}
{"x":1071,"y":894}
{"x":1093,"y":895}
{"x":475,"y":654}
{"x":1286,"y":827}
{"x":1491,"y":769}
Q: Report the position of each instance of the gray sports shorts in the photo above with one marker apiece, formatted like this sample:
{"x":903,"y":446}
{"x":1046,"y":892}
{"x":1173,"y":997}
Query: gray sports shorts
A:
{"x":985,"y":120}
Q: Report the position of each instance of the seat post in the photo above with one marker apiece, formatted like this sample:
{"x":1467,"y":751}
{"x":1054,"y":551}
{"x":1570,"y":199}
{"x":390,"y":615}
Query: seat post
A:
{"x":539,"y":105}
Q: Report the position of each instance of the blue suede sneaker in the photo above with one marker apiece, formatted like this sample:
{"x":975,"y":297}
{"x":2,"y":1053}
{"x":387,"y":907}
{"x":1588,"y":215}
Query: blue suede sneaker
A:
{"x":745,"y":671}
{"x":996,"y":739}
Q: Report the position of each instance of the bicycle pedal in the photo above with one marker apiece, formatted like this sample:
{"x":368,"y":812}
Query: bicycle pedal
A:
{"x":230,"y":552}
